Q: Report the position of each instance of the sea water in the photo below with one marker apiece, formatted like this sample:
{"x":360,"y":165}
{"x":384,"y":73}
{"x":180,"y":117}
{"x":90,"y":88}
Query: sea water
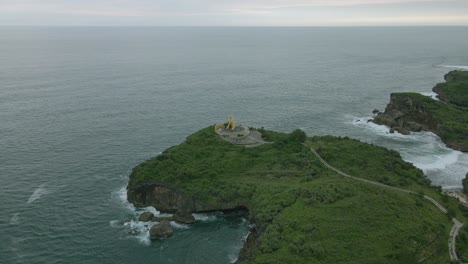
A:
{"x":80,"y":107}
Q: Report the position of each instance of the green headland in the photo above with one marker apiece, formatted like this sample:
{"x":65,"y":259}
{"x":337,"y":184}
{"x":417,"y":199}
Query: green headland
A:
{"x":448,"y":118}
{"x":304,"y":211}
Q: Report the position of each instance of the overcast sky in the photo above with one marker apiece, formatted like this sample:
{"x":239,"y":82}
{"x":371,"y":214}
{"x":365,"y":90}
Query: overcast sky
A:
{"x":234,"y":12}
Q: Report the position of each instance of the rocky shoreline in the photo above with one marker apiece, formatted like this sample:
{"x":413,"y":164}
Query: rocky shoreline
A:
{"x":167,"y":199}
{"x":411,"y":112}
{"x":288,"y":193}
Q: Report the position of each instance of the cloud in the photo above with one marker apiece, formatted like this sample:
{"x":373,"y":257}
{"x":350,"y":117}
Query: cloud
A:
{"x":230,"y":12}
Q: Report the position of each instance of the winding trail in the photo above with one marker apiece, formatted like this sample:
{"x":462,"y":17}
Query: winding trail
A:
{"x":456,"y":224}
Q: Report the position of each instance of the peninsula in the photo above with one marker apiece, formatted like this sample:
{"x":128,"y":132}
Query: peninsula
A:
{"x":320,"y":199}
{"x":446,"y":117}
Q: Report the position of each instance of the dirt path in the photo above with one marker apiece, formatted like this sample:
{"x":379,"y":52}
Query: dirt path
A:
{"x":453,"y":235}
{"x":456,"y":224}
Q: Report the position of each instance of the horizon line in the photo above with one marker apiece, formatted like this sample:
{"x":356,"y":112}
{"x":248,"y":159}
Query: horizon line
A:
{"x":233,"y":26}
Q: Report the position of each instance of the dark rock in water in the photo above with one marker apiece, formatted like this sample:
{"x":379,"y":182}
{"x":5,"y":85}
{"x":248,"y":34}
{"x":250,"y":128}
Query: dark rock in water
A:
{"x":161,"y":230}
{"x":413,"y":126}
{"x":392,"y":130}
{"x":162,"y":218}
{"x":183,"y":217}
{"x":376,"y":111}
{"x":145,"y":217}
{"x":402,"y":130}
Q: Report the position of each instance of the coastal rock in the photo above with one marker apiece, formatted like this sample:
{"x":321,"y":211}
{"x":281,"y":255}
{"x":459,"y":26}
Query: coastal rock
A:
{"x":145,"y":217}
{"x":402,"y":130}
{"x":162,"y":218}
{"x":413,"y":126}
{"x":404,"y":115}
{"x":408,"y":112}
{"x":169,"y":200}
{"x":182,"y":217}
{"x":161,"y":230}
{"x":376,"y":111}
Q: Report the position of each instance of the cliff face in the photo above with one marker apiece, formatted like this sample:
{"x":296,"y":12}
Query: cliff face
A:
{"x":414,"y":112}
{"x":168,"y":200}
{"x":403,"y":114}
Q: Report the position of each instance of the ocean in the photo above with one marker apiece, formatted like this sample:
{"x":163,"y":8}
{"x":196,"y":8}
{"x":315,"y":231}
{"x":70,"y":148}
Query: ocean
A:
{"x":81,"y":106}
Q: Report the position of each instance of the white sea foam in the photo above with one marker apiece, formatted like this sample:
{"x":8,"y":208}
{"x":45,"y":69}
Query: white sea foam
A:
{"x":364,"y":123}
{"x":206,"y":217}
{"x":232,"y":258}
{"x":115,"y":223}
{"x":122,"y":194}
{"x":436,"y":162}
{"x":424,"y":149}
{"x":179,"y":226}
{"x":40,"y":191}
{"x":460,"y":67}
{"x":431,"y":95}
{"x":140,"y":230}
{"x":14,"y":219}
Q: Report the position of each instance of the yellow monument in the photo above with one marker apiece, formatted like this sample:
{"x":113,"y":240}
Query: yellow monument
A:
{"x":231,"y":123}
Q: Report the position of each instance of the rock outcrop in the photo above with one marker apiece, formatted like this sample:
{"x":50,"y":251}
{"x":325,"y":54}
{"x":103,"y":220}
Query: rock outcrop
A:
{"x":146,"y":217}
{"x":182,"y":217}
{"x":402,"y":114}
{"x":414,"y":112}
{"x":161,"y":230}
{"x":169,"y":200}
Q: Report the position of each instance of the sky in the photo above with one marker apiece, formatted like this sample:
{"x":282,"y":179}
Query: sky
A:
{"x":234,"y":12}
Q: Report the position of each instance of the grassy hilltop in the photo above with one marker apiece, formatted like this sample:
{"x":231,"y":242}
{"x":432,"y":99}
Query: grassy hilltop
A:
{"x":455,"y":89}
{"x":305,"y":212}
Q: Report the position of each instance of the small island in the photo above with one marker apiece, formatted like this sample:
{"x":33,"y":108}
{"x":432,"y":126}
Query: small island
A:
{"x":320,"y":199}
{"x":447,"y":118}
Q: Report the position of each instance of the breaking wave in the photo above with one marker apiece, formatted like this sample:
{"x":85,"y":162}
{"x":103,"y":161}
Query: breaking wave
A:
{"x":444,"y":166}
{"x":137,"y":229}
{"x":40,"y":191}
{"x":14,"y":219}
{"x":460,"y":67}
{"x":207,"y":217}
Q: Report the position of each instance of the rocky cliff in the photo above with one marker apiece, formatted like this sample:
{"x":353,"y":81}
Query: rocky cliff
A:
{"x":404,"y":114}
{"x":414,"y":112}
{"x":169,"y":200}
{"x":448,"y":118}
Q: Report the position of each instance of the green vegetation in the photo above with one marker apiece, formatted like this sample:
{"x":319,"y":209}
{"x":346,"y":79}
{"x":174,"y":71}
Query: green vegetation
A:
{"x":465,"y":184}
{"x":305,"y":212}
{"x":450,"y":122}
{"x":462,"y":238}
{"x":454,"y":92}
{"x":457,"y":76}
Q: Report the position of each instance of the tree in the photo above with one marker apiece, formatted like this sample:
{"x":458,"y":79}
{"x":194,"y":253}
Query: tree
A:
{"x":298,"y":136}
{"x":465,"y":184}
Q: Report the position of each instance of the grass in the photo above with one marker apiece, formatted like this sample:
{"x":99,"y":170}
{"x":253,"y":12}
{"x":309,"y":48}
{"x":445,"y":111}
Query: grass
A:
{"x":303,"y":211}
{"x":453,"y":92}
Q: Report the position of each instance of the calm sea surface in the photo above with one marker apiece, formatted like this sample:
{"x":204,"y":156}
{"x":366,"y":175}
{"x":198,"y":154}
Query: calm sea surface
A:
{"x":79,"y":107}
